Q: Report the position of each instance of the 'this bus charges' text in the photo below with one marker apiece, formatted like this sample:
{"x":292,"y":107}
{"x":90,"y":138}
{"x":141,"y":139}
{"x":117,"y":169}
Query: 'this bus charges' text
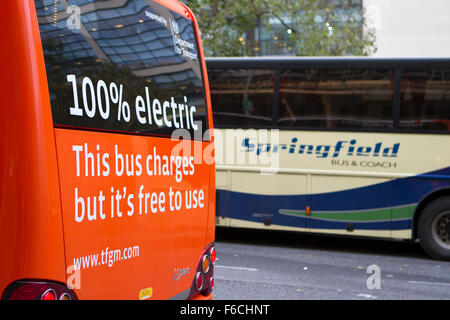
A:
{"x":136,"y":198}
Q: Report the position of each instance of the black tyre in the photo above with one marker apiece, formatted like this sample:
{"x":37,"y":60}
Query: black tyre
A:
{"x":434,"y":229}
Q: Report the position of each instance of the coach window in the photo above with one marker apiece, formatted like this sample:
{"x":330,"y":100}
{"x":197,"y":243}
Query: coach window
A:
{"x":425,"y":100}
{"x":337,"y":99}
{"x":242,"y":98}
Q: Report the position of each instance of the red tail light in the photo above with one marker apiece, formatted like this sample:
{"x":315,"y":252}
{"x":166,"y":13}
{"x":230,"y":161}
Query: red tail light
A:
{"x":204,"y":275}
{"x":212,"y":255}
{"x":199,"y":281}
{"x":38,"y":290}
{"x":50,"y":294}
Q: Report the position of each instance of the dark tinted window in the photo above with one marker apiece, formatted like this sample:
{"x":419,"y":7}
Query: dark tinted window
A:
{"x":129,"y":66}
{"x":242,"y":97}
{"x":425,"y":100}
{"x":327,"y":98}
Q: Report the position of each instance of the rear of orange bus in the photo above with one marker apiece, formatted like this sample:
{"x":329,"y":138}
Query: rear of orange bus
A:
{"x":106,"y":158}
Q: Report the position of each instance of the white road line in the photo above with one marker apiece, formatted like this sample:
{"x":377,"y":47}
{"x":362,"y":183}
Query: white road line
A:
{"x":430,"y":283}
{"x":367,"y":296}
{"x":236,"y":268}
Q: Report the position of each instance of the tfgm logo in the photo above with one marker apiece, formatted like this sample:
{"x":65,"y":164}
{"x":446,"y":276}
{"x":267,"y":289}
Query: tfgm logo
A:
{"x":180,"y":272}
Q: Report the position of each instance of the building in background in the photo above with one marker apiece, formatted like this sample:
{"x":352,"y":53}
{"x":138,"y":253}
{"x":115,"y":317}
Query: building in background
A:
{"x":403,"y":28}
{"x":409,"y":28}
{"x":276,"y":39}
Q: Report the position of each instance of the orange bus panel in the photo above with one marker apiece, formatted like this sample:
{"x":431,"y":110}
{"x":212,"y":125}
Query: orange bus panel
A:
{"x":91,"y":211}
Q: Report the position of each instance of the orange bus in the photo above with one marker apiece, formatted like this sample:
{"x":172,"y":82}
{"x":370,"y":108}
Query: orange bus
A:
{"x":106,"y":158}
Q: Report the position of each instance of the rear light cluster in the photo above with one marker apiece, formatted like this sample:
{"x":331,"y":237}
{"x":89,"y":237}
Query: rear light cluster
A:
{"x":204,"y":275}
{"x":38,"y":290}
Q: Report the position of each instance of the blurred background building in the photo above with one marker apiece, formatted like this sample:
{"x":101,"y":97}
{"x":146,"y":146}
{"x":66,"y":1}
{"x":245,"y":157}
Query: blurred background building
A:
{"x":410,"y":28}
{"x":402,"y":28}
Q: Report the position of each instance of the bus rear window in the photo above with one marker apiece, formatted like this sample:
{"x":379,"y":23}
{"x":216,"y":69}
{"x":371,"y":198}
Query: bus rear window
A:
{"x":122,"y":66}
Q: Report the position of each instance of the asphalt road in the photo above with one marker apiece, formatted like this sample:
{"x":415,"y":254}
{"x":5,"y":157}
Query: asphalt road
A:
{"x":254,"y":265}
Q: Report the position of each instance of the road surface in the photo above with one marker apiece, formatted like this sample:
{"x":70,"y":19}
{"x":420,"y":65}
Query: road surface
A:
{"x":255,"y":265}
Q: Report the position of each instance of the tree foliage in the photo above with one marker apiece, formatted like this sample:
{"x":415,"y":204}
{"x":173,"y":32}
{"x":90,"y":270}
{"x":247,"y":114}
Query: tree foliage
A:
{"x":308,"y":27}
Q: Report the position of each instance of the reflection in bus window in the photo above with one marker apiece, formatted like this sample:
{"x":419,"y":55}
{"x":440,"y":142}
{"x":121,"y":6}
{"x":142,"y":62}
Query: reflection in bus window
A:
{"x":120,"y":43}
{"x":425,"y":100}
{"x":242,"y":97}
{"x":327,"y":98}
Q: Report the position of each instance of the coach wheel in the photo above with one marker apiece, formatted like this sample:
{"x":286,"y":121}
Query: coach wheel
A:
{"x":434,"y":229}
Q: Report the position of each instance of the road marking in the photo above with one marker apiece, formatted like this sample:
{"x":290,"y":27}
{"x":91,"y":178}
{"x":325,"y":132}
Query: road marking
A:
{"x":236,"y":268}
{"x":430,"y":283}
{"x":367,"y":296}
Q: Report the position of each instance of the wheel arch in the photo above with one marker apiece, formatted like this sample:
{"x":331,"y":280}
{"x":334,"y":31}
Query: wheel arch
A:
{"x":427,"y":199}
